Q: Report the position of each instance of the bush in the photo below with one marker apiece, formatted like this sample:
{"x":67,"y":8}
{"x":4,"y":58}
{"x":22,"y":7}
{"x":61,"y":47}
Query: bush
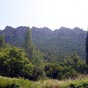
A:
{"x":32,"y":72}
{"x":66,"y":73}
{"x":60,"y":72}
{"x":12,"y":62}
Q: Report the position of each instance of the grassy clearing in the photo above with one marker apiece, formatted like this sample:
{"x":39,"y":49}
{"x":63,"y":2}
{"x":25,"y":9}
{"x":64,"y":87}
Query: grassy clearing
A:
{"x":81,"y":82}
{"x":6,"y":82}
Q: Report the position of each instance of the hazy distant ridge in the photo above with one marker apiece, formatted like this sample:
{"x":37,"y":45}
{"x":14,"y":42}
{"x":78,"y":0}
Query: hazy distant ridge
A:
{"x":60,"y":42}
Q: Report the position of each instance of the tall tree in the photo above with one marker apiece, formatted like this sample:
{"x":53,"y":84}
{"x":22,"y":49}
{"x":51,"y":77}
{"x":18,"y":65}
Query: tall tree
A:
{"x":32,"y":52}
{"x":2,"y":41}
{"x":87,"y":48}
{"x":28,"y":45}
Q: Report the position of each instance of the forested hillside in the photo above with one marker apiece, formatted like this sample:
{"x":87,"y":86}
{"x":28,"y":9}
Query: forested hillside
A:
{"x":58,"y":44}
{"x":23,"y":60}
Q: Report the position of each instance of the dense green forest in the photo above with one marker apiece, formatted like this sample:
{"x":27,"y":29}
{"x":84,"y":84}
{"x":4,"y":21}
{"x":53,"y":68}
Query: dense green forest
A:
{"x":28,"y":62}
{"x":59,"y":43}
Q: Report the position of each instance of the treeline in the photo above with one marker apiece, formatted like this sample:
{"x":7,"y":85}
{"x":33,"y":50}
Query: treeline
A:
{"x":30,"y":63}
{"x":60,"y":43}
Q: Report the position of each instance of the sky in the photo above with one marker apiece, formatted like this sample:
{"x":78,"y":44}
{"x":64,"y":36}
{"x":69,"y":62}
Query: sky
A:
{"x":40,"y":13}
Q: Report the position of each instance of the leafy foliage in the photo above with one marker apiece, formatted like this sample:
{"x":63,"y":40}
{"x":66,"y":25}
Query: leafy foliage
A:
{"x":60,"y":72}
{"x":28,"y":45}
{"x":74,"y":61}
{"x":32,"y":52}
{"x":87,"y":49}
{"x":12,"y":61}
{"x":60,"y":43}
{"x":30,"y":63}
{"x":2,"y":41}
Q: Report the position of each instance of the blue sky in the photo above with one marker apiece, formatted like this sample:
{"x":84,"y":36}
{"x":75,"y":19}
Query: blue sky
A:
{"x":40,"y":13}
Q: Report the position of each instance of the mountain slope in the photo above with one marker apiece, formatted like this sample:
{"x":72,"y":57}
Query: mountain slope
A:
{"x":60,"y":43}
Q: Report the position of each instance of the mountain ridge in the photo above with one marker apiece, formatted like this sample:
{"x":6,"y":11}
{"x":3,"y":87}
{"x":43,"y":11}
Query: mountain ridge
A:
{"x":60,"y":42}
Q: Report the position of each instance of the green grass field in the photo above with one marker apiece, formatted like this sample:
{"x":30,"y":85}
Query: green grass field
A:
{"x":6,"y":82}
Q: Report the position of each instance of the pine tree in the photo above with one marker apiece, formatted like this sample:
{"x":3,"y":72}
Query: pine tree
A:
{"x":2,"y":41}
{"x":87,"y":49}
{"x":32,"y":52}
{"x":28,"y":46}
